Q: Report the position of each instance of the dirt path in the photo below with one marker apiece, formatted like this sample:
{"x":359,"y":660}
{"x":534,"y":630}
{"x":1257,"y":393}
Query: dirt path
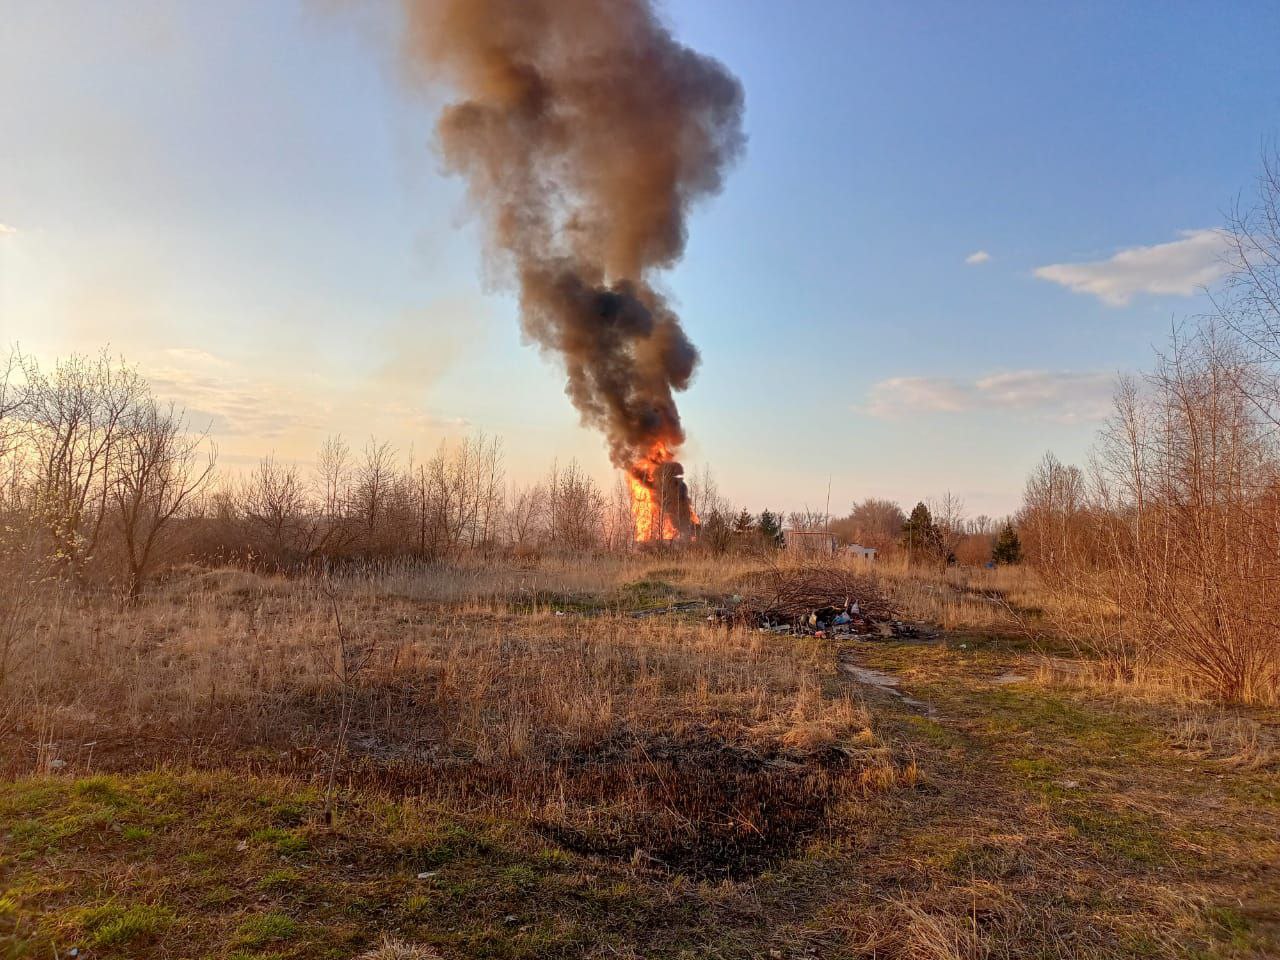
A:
{"x":1052,"y":815}
{"x":878,"y":680}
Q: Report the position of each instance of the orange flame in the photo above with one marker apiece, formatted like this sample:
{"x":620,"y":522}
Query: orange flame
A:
{"x":651,"y":518}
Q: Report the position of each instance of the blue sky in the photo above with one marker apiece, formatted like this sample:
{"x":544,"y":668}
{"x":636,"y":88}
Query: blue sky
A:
{"x":243,"y":198}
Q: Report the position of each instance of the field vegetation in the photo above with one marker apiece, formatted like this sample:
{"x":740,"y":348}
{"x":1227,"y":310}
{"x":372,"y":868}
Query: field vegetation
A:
{"x":562,"y":757}
{"x":382,"y":708}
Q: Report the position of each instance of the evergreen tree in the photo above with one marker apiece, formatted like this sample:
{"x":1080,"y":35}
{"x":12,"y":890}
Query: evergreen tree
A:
{"x":1008,"y":548}
{"x":715,"y":534}
{"x":771,"y":529}
{"x":744,"y":523}
{"x":920,"y":537}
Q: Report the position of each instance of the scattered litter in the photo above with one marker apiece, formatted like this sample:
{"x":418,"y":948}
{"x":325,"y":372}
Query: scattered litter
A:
{"x":427,"y":874}
{"x":559,"y":613}
{"x":57,"y":764}
{"x":815,"y":602}
{"x":242,"y":846}
{"x":1070,"y":784}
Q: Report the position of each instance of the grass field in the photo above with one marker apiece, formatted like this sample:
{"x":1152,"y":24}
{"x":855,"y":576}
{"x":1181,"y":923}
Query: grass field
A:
{"x":493,"y":761}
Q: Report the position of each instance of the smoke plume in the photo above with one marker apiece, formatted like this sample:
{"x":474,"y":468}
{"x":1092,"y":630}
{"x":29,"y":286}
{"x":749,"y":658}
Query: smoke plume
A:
{"x":585,"y":132}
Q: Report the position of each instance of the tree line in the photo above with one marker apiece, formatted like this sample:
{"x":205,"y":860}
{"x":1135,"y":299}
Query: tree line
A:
{"x":1168,"y":538}
{"x":101,"y":481}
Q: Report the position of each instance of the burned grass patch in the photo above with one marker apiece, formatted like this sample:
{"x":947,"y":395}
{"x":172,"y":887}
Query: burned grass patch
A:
{"x":690,"y":803}
{"x":699,"y":806}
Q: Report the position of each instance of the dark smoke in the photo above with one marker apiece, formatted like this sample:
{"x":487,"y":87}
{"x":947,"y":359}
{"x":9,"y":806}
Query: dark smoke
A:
{"x":585,"y":131}
{"x":672,"y":493}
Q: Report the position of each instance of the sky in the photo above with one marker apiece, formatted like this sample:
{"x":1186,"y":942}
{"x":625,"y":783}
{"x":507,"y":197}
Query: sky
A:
{"x":953,"y":226}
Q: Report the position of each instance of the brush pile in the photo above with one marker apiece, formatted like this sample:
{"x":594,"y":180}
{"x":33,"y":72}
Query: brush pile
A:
{"x":813,"y":601}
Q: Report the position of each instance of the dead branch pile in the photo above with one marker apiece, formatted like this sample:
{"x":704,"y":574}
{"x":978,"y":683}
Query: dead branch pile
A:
{"x":819,"y":601}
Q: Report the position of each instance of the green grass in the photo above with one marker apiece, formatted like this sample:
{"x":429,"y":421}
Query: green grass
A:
{"x":113,"y":925}
{"x":1134,"y":837}
{"x":281,"y":880}
{"x":284,"y":842}
{"x":646,"y":594}
{"x":265,"y":928}
{"x":220,"y":900}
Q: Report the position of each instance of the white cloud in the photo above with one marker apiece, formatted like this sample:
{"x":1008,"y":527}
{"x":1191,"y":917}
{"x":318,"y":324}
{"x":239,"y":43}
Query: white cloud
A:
{"x":194,"y":357}
{"x":1062,"y":397}
{"x":978,"y":256}
{"x":1178,"y":268}
{"x":7,"y":231}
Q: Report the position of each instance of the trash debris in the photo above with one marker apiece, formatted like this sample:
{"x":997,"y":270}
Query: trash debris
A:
{"x":820,"y":602}
{"x":427,"y":874}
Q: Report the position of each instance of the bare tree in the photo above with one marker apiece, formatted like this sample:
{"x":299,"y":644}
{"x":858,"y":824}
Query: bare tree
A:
{"x":1249,"y":303}
{"x":1176,"y":543}
{"x":375,"y":480}
{"x":277,"y":511}
{"x":76,"y":415}
{"x":619,"y":521}
{"x":704,"y":493}
{"x":12,"y":401}
{"x":333,"y":477}
{"x":949,"y":525}
{"x":1052,"y":518}
{"x":333,"y":480}
{"x":525,"y":513}
{"x":158,"y":472}
{"x":576,"y":508}
{"x":807,"y":520}
{"x":872,"y":523}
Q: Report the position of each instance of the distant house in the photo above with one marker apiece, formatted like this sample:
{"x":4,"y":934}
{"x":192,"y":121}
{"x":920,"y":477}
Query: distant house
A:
{"x":857,"y":550}
{"x":809,"y":543}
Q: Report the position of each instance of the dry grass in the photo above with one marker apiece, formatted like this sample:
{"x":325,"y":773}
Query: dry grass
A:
{"x":1141,"y":681}
{"x":208,"y":657}
{"x":701,"y":748}
{"x":392,"y":948}
{"x":908,"y":931}
{"x":967,"y":598}
{"x":522,"y":768}
{"x":1235,"y":741}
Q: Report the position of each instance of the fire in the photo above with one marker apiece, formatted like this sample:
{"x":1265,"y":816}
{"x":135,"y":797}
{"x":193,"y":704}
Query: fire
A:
{"x":660,"y":508}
